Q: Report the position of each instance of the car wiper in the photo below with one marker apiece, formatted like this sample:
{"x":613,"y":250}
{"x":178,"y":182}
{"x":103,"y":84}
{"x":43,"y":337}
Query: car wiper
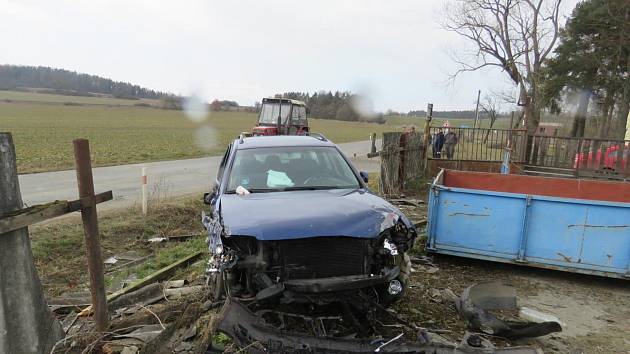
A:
{"x":257,"y":190}
{"x":265,"y":190}
{"x":310,"y":188}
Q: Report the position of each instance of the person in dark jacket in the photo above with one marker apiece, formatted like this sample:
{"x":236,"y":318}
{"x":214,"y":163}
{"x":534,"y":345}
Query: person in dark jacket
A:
{"x":438,"y":142}
{"x":450,"y":140}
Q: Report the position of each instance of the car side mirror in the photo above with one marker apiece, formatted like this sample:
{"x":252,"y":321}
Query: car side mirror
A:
{"x":364,"y":176}
{"x":208,"y":198}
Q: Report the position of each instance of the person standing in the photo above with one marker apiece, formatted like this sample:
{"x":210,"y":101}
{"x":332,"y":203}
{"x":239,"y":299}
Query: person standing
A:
{"x":450,"y":140}
{"x":438,"y":142}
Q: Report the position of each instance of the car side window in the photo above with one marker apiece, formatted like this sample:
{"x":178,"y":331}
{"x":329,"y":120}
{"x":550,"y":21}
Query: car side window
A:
{"x":223,"y":163}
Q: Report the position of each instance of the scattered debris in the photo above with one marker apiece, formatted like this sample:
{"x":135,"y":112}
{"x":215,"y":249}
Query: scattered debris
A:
{"x":179,"y":292}
{"x":407,"y":201}
{"x":131,"y":262}
{"x":251,"y":333}
{"x":537,"y":316}
{"x":174,"y":284}
{"x":151,"y":278}
{"x":172,"y":238}
{"x":477,"y":299}
{"x":144,"y":333}
{"x":111,"y":260}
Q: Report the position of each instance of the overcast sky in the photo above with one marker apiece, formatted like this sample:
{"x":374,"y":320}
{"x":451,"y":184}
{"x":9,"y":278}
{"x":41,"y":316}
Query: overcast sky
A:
{"x":394,"y":51}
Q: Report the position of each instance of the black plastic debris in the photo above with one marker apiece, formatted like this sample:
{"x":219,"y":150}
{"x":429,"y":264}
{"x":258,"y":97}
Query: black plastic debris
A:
{"x":477,"y":299}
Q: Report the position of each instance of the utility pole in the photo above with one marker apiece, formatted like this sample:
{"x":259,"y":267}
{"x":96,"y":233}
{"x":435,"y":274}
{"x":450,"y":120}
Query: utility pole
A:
{"x":26,"y":324}
{"x":477,"y":109}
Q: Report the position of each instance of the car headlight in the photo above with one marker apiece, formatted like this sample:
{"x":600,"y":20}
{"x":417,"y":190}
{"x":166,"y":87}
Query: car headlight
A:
{"x":395,"y":287}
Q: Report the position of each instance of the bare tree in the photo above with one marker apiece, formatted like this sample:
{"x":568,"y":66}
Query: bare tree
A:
{"x":516,"y":36}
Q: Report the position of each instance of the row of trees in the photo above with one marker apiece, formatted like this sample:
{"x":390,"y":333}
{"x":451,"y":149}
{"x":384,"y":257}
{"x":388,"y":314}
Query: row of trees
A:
{"x":589,"y":58}
{"x":445,"y":114}
{"x":339,"y":105}
{"x":70,"y":82}
{"x":592,"y":65}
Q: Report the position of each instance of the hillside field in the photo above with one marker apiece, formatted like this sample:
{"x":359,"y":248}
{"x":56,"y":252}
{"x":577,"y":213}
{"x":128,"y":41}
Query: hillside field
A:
{"x":43,"y":133}
{"x":44,"y":125}
{"x":21,"y":96}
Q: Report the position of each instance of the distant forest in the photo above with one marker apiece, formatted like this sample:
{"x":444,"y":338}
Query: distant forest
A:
{"x":329,"y":105}
{"x":339,"y":105}
{"x":67,"y":82}
{"x":451,"y":114}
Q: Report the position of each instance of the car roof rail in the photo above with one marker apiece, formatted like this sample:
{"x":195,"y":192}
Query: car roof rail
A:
{"x":318,"y":136}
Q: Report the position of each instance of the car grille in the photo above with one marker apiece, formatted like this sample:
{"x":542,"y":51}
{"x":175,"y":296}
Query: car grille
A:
{"x":322,"y":257}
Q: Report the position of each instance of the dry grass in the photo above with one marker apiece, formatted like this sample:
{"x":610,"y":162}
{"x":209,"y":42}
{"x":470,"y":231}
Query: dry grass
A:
{"x":59,"y":251}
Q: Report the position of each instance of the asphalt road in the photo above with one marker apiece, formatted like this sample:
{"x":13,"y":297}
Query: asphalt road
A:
{"x":165,"y":178}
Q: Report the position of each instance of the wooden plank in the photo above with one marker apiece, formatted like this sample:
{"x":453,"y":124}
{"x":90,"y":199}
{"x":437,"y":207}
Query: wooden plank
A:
{"x":18,"y":219}
{"x":421,"y":223}
{"x":28,"y":216}
{"x":151,"y":278}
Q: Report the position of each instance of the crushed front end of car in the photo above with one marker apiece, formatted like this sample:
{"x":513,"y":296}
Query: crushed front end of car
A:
{"x":295,"y":269}
{"x":335,"y":261}
{"x":291,"y":285}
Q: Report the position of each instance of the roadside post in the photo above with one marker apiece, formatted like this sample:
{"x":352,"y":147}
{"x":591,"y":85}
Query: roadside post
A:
{"x":90,"y":227}
{"x":145,"y":197}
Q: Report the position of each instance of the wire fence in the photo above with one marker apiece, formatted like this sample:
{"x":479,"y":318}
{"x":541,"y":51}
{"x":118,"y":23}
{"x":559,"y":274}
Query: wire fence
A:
{"x":476,"y":144}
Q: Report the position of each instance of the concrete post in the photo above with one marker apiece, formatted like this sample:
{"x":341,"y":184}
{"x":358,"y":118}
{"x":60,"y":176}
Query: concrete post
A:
{"x":26,"y":324}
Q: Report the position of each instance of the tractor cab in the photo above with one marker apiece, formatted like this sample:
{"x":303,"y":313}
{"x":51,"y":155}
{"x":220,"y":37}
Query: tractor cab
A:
{"x":281,"y":116}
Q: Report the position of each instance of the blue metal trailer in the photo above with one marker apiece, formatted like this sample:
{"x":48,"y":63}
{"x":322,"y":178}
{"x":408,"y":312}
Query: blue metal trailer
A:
{"x":564,"y":224}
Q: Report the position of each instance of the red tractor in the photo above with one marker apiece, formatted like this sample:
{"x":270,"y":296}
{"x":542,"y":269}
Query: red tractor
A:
{"x":281,"y":116}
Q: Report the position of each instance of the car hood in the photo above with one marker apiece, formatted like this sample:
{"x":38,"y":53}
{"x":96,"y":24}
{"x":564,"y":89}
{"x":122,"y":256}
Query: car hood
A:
{"x":302,"y":214}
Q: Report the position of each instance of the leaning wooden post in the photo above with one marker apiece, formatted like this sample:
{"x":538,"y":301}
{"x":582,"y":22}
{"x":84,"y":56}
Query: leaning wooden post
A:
{"x":90,"y":227}
{"x":26,"y":324}
{"x":427,"y":133}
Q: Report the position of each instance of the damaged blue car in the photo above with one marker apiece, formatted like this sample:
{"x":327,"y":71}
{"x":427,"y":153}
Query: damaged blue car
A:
{"x":292,"y":221}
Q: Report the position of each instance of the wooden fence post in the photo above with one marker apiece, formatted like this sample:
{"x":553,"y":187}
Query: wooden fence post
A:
{"x":26,"y":324}
{"x":427,"y":134}
{"x":90,"y":226}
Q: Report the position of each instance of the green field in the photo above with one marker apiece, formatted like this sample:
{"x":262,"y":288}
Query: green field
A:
{"x":44,"y":125}
{"x":43,"y":133}
{"x":502,"y":123}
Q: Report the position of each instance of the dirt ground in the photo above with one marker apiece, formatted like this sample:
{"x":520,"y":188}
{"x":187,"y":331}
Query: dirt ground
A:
{"x":594,"y":311}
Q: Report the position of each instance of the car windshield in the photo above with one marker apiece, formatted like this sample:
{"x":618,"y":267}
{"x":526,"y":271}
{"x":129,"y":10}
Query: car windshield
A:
{"x":269,"y":112}
{"x":290,"y":168}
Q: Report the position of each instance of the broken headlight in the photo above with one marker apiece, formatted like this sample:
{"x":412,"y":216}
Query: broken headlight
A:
{"x":393,"y":250}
